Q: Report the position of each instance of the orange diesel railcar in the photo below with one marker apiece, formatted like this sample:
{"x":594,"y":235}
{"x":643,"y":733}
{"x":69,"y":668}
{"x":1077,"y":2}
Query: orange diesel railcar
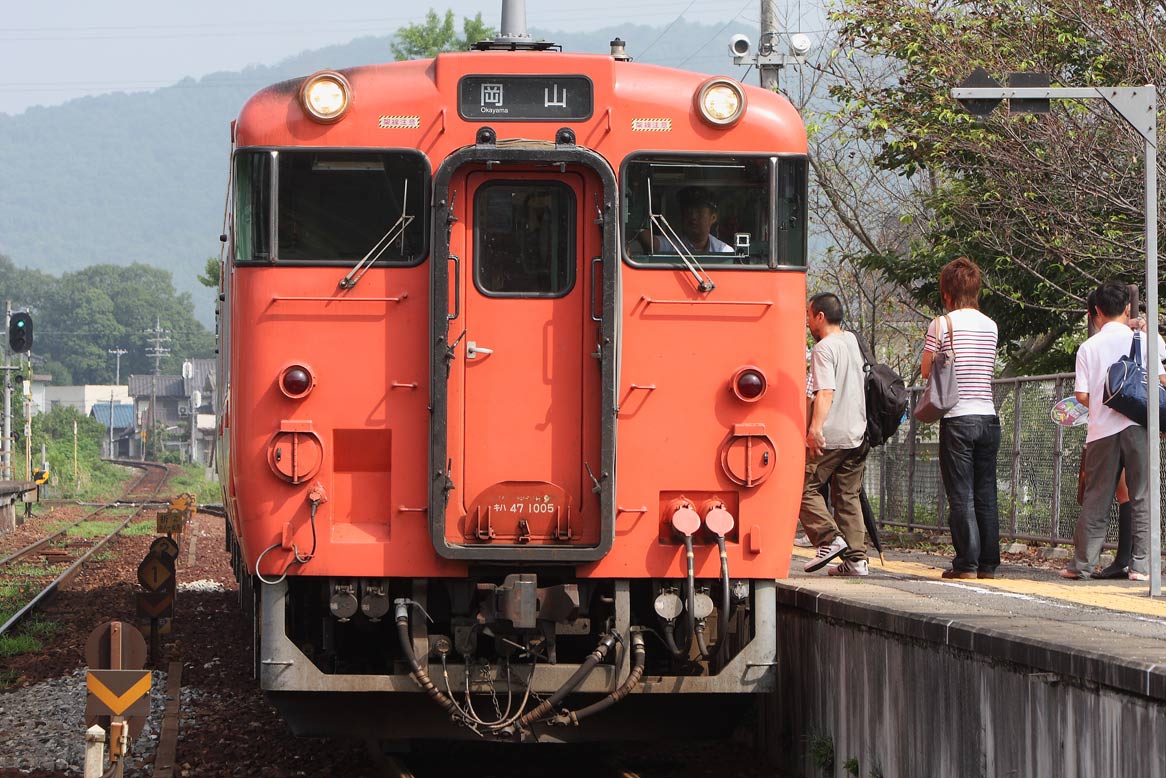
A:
{"x":513,"y":359}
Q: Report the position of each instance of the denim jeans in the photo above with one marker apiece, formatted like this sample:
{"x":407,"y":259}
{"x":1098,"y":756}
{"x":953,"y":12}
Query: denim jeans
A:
{"x":967,"y":460}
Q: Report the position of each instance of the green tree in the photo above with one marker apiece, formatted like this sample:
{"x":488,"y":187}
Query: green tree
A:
{"x":84,"y":314}
{"x":1047,"y":205}
{"x":55,"y":430}
{"x":437,"y":35}
{"x":212,"y":273}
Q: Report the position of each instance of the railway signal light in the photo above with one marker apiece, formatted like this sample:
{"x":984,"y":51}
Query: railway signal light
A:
{"x":20,"y":332}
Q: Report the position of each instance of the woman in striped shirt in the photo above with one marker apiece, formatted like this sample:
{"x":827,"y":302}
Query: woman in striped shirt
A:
{"x":969,"y":434}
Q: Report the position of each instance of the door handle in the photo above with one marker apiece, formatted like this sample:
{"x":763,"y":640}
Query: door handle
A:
{"x":473,"y":349}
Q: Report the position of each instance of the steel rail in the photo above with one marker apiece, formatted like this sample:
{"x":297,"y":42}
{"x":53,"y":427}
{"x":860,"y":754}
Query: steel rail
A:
{"x":38,"y":544}
{"x":74,"y":568}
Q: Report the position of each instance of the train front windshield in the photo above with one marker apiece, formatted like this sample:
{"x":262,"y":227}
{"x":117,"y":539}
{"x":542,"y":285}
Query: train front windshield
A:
{"x":330,"y":206}
{"x":728,"y":211}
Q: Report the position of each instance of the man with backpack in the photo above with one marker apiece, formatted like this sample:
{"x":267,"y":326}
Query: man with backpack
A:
{"x":836,"y":444}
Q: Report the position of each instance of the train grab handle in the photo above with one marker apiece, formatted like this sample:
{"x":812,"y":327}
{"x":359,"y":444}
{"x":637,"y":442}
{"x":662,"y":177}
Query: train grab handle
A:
{"x":457,"y":287}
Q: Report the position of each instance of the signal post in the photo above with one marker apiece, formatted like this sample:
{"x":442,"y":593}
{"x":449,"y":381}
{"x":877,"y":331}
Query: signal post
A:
{"x":980,"y":94}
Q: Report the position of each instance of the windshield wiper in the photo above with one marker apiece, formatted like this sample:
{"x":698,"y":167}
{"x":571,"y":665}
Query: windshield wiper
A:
{"x":703,"y":281}
{"x":382,"y":245}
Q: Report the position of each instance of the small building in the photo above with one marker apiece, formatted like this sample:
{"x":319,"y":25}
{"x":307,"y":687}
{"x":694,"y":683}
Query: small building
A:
{"x":182,"y":409}
{"x":121,"y":442}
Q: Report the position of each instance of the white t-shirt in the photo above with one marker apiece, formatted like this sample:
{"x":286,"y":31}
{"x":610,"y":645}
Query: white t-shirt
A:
{"x":975,"y":359}
{"x":836,"y":363}
{"x":715,"y":246}
{"x":1094,"y":356}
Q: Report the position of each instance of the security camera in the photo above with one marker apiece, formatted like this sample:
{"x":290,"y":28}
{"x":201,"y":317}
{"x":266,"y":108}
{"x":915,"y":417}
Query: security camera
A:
{"x":800,"y":44}
{"x":739,"y":45}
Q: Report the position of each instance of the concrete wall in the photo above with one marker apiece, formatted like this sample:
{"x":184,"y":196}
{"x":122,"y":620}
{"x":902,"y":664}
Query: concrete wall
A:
{"x":83,"y":398}
{"x":905,"y":707}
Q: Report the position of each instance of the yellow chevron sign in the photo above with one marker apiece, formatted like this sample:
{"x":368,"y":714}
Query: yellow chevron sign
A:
{"x":155,"y":605}
{"x":118,"y":692}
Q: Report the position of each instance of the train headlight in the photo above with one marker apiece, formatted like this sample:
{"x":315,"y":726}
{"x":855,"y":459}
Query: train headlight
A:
{"x":720,"y":101}
{"x":749,"y":384}
{"x":326,"y":96}
{"x":296,"y":381}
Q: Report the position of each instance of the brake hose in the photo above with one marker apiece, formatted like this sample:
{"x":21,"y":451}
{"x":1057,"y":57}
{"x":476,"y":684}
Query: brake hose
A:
{"x":594,"y":658}
{"x":639,"y":656}
{"x":416,"y":671}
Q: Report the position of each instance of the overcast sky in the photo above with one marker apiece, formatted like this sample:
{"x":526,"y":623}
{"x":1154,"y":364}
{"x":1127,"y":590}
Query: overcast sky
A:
{"x":55,"y":50}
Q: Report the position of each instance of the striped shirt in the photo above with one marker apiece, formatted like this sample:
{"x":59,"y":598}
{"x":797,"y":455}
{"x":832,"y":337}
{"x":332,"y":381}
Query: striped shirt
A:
{"x":975,"y":359}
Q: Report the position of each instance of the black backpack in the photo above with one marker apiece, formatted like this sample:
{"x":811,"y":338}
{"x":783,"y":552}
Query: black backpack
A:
{"x":886,"y":397}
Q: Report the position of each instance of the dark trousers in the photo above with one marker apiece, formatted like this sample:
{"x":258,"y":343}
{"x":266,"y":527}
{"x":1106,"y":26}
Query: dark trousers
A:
{"x":967,"y":461}
{"x":1104,"y":460}
{"x":842,"y":469}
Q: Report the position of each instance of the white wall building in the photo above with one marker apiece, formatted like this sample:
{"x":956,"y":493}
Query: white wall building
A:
{"x":83,"y":398}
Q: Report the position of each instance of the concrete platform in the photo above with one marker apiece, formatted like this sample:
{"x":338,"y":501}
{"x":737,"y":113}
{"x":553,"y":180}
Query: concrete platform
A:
{"x":10,"y":493}
{"x":1025,"y":674}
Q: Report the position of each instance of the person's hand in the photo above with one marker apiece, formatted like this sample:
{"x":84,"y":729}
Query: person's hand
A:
{"x":815,"y":440}
{"x":1138,"y":324}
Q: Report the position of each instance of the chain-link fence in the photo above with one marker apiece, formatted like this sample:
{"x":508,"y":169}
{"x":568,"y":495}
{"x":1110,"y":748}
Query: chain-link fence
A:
{"x":1036,"y":471}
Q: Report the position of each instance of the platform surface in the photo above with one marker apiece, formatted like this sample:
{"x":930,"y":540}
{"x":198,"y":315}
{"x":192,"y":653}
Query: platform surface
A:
{"x":1107,"y":632}
{"x":16,"y":487}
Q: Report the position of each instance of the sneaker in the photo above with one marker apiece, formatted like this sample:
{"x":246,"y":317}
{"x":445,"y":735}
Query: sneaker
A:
{"x":850,"y":567}
{"x":1134,"y":575}
{"x":1112,"y":572}
{"x":1072,"y":575}
{"x":825,"y":554}
{"x":802,"y":540}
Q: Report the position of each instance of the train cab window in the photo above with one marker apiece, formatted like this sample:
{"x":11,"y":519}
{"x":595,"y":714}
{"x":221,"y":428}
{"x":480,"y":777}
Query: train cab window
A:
{"x":332,"y":207}
{"x":524,"y":239}
{"x":791,"y":211}
{"x":725,"y":211}
{"x":253,"y":207}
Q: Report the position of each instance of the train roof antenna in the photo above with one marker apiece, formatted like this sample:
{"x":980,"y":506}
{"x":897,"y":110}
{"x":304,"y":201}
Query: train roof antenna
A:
{"x":513,"y":23}
{"x":513,"y":35}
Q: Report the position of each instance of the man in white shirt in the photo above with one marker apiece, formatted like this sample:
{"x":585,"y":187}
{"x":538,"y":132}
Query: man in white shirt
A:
{"x":836,"y":446}
{"x":1114,"y":440}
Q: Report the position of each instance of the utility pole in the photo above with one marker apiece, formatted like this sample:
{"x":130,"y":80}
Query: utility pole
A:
{"x":768,"y":59}
{"x":6,"y":462}
{"x":117,"y":370}
{"x":766,"y":47}
{"x":117,"y":352}
{"x":28,"y":422}
{"x":111,"y":454}
{"x":156,"y":350}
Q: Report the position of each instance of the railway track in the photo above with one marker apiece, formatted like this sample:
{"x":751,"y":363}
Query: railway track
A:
{"x":62,"y":563}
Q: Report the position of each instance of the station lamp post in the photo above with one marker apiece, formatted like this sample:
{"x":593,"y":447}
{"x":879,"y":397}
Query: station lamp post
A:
{"x":1030,"y":93}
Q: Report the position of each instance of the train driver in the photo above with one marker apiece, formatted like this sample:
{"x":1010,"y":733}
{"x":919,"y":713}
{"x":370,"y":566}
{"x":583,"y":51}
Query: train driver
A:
{"x":698,"y":214}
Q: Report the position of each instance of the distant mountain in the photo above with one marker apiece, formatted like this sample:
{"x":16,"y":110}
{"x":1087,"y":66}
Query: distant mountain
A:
{"x":126,"y":178}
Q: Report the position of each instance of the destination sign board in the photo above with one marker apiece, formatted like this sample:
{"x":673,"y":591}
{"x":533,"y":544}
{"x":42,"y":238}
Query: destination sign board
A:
{"x":512,"y":98}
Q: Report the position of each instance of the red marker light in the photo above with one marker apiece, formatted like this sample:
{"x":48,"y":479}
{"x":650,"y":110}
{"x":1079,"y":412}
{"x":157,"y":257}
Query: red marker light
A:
{"x":296,"y":381}
{"x":749,"y":384}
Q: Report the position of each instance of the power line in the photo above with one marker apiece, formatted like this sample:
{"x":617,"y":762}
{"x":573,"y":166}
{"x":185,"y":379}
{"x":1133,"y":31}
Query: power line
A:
{"x":668,"y":28}
{"x":718,"y":33}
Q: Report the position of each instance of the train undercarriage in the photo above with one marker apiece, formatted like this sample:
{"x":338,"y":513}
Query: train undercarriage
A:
{"x":538,"y":655}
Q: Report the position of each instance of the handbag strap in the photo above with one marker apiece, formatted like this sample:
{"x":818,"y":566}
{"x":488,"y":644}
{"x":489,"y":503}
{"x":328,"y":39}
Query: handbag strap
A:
{"x":1136,"y":348}
{"x":950,"y":335}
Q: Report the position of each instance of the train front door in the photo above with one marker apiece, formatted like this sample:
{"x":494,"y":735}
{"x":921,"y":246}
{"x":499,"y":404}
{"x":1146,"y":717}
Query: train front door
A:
{"x":524,"y":389}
